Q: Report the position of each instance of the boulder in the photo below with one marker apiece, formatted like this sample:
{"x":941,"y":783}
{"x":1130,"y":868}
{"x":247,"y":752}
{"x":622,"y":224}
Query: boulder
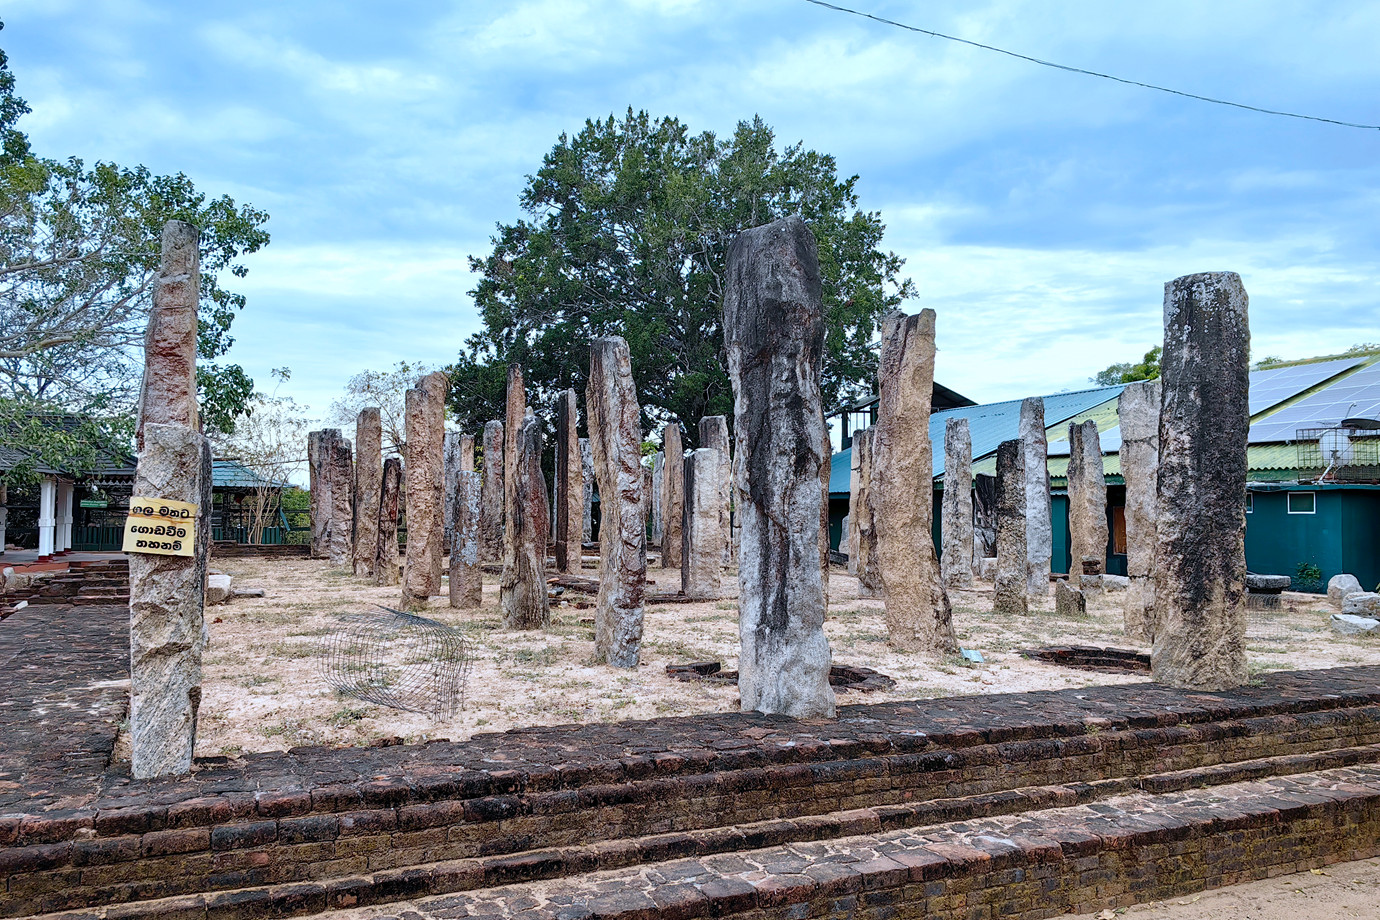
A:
{"x":1348,"y":625}
{"x":218,"y":589}
{"x":1339,"y":586}
{"x":1069,"y":601}
{"x":1362,"y":604}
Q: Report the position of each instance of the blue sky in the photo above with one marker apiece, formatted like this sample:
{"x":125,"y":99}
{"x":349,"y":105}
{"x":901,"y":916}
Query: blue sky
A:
{"x":1040,"y":212}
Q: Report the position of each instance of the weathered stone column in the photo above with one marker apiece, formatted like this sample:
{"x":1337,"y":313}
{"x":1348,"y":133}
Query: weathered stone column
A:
{"x":1200,"y":563}
{"x":467,"y":453}
{"x":491,"y":499}
{"x":466,"y":581}
{"x":570,"y":491}
{"x":368,"y":489}
{"x":1039,"y":532}
{"x":425,"y":474}
{"x":869,"y":569}
{"x":587,"y":488}
{"x":984,"y":518}
{"x":1087,"y":507}
{"x":515,"y":412}
{"x":167,"y":631}
{"x":340,"y":462}
{"x":714,"y":435}
{"x":320,"y":503}
{"x":1012,"y":556}
{"x":918,"y":615}
{"x":654,"y":522}
{"x":522,"y":591}
{"x":852,"y":518}
{"x":1138,"y":412}
{"x":774,"y":332}
{"x":672,"y":496}
{"x":956,"y":563}
{"x":615,"y":440}
{"x":703,"y":525}
{"x":390,"y":494}
{"x":450,"y":478}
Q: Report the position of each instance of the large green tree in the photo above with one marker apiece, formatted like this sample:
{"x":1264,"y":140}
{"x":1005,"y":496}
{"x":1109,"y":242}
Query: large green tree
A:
{"x":627,"y":230}
{"x":79,"y":252}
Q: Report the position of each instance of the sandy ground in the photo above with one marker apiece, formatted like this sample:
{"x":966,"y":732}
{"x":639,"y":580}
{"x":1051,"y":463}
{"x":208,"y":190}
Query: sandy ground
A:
{"x":264,"y":688}
{"x":1350,"y":891}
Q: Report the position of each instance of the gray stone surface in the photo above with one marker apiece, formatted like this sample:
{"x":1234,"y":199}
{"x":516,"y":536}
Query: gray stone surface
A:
{"x":1267,"y":584}
{"x":956,"y":561}
{"x":587,"y":490}
{"x":987,"y":566}
{"x":672,"y":496}
{"x":1138,"y":414}
{"x":424,"y":472}
{"x":1039,"y":533}
{"x":339,"y":463}
{"x":1069,"y":602}
{"x":615,"y":440}
{"x":368,"y":487}
{"x":570,"y":488}
{"x":867,"y":567}
{"x":491,"y":498}
{"x":1363,"y":604}
{"x":1010,"y":594}
{"x":1349,"y":624}
{"x":654,"y":497}
{"x":320,"y":502}
{"x":386,"y":565}
{"x":1339,"y":586}
{"x":219,"y":588}
{"x":704,"y":534}
{"x":1200,"y":562}
{"x":522,"y":589}
{"x":466,"y":579}
{"x":1087,"y":505}
{"x":515,"y":412}
{"x":774,"y":333}
{"x":714,"y":435}
{"x":984,"y":518}
{"x":167,"y":394}
{"x":918,"y":614}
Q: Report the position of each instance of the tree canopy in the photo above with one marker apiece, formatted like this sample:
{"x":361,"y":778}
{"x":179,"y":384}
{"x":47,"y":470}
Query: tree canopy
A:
{"x":627,"y":230}
{"x":1148,"y":368}
{"x":79,"y":252}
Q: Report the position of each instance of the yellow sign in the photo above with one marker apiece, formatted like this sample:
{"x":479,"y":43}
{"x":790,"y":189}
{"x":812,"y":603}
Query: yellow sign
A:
{"x":160,"y":526}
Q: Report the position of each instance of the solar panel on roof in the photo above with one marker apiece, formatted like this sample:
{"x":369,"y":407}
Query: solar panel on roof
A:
{"x":1355,"y":396}
{"x":1274,"y":385}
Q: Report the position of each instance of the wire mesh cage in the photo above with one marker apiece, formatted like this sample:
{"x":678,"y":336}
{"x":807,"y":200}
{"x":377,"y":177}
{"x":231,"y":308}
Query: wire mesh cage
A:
{"x":398,"y":660}
{"x":1341,"y":453}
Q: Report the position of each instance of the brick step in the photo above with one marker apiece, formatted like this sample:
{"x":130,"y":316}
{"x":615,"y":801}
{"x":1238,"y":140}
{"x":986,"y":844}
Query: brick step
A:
{"x":1038,"y":862}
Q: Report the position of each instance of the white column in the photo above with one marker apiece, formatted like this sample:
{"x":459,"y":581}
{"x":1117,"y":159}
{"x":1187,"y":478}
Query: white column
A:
{"x":63,"y":537}
{"x":47,"y":510}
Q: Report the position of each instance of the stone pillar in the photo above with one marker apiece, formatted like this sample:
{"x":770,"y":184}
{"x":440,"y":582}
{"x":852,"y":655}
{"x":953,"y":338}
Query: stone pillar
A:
{"x":466,"y":579}
{"x":704,"y":534}
{"x":450,"y":479}
{"x":615,"y":440}
{"x":390,"y":493}
{"x":869,"y":569}
{"x":167,"y":593}
{"x":467,"y":453}
{"x":320,"y":502}
{"x":956,"y":563}
{"x":1200,"y":562}
{"x":984,"y":517}
{"x":340,"y":463}
{"x":1012,"y":556}
{"x":425,"y":475}
{"x":1138,"y":412}
{"x":774,"y":333}
{"x":570,"y":488}
{"x":1087,"y":507}
{"x":672,"y":496}
{"x":491,"y":498}
{"x":654,"y":516}
{"x":918,"y":615}
{"x":852,"y":518}
{"x":368,"y":489}
{"x":714,"y":435}
{"x":522,"y":590}
{"x":47,"y":517}
{"x":515,"y":411}
{"x":587,"y":489}
{"x":1039,"y":532}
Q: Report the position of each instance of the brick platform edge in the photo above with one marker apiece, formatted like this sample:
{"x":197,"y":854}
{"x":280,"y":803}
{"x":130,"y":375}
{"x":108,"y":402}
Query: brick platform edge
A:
{"x":225,"y":549}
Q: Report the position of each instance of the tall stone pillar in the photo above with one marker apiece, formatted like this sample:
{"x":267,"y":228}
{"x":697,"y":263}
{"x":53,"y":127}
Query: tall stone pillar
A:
{"x":654,"y":515}
{"x":1012,"y":555}
{"x":4,"y":515}
{"x":774,"y":332}
{"x":1087,"y":507}
{"x":704,"y":534}
{"x":918,"y":615}
{"x":368,"y":489}
{"x":984,"y":518}
{"x":1200,"y":562}
{"x":467,"y":453}
{"x":615,"y":441}
{"x":341,"y":467}
{"x":956,"y":563}
{"x":466,"y":580}
{"x":320,"y":503}
{"x":390,"y":494}
{"x":587,"y":490}
{"x":714,"y":435}
{"x":570,"y":490}
{"x":1039,"y":532}
{"x":425,"y":475}
{"x":851,"y":519}
{"x":522,"y":590}
{"x":491,"y":499}
{"x":864,"y":514}
{"x":515,"y":412}
{"x":450,"y":479}
{"x":167,"y":593}
{"x":1138,"y":412}
{"x":672,"y":496}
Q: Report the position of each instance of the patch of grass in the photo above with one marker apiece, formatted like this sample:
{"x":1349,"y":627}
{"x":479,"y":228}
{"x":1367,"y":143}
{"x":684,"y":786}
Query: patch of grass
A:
{"x":348,"y":716}
{"x":291,"y":650}
{"x":539,"y":657}
{"x":682,"y":650}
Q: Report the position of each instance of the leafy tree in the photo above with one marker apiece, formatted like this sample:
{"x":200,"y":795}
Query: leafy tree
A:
{"x":1148,"y":368}
{"x":386,"y":391}
{"x":79,"y":253}
{"x":627,"y":230}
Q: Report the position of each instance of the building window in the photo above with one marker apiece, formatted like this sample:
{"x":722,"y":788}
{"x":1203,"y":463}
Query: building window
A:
{"x":1303,"y":502}
{"x":1250,"y":503}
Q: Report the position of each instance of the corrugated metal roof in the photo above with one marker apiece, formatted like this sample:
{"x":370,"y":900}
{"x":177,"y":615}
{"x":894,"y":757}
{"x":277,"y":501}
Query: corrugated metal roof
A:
{"x":228,"y":474}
